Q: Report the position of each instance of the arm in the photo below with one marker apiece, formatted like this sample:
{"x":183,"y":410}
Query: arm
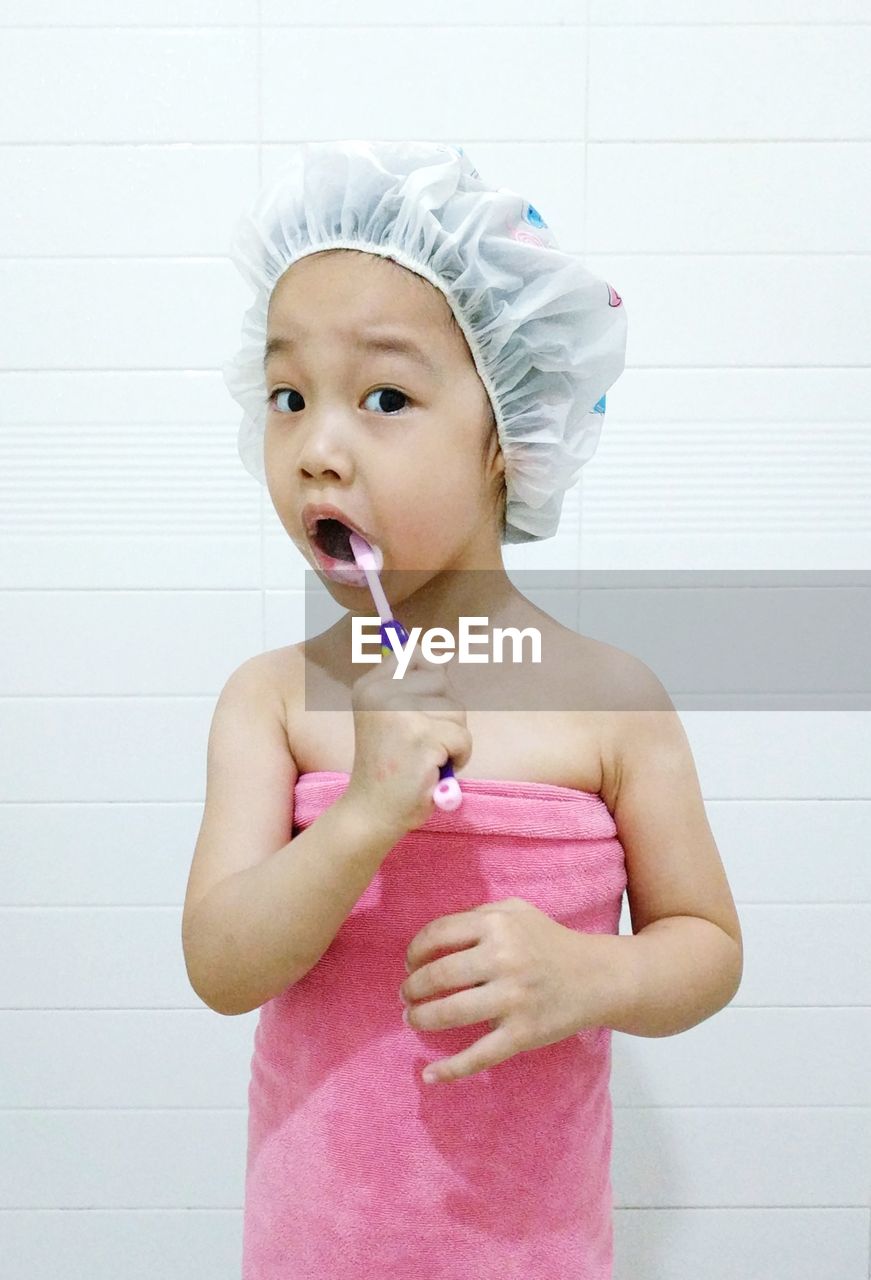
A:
{"x":261,"y":907}
{"x":536,"y":981}
{"x":260,"y":930}
{"x":684,"y":960}
{"x":671,"y":975}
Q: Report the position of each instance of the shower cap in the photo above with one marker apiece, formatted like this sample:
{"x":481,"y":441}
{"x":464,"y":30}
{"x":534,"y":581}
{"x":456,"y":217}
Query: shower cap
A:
{"x":547,"y":336}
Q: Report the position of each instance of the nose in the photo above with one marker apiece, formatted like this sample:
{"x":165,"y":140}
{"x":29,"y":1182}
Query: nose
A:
{"x":324,"y":455}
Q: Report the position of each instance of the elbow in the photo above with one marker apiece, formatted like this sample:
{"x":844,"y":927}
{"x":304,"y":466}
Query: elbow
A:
{"x":218,"y":970}
{"x":201,"y":973}
{"x":218,"y":1004}
{"x":737,"y":972}
{"x":739,"y":959}
{"x":216,"y":999}
{"x":231,"y":1003}
{"x":733,"y":965}
{"x":201,"y":990}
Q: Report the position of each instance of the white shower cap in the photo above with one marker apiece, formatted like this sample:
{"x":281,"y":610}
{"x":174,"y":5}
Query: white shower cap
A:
{"x":548,"y":338}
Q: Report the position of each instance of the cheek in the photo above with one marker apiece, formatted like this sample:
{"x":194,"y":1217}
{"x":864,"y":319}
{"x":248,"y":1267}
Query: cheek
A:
{"x":441,"y":511}
{"x":270,"y":454}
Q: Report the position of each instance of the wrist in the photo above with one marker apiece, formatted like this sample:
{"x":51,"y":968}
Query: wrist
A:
{"x":369,"y":821}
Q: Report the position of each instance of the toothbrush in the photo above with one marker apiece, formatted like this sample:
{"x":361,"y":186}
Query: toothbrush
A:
{"x":446,"y":794}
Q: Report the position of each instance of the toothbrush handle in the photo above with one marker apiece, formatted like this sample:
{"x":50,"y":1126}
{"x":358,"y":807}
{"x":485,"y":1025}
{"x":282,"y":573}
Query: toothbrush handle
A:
{"x":398,"y":630}
{"x":446,"y":793}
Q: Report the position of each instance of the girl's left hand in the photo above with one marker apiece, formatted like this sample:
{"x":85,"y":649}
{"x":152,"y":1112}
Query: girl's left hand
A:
{"x":536,"y":981}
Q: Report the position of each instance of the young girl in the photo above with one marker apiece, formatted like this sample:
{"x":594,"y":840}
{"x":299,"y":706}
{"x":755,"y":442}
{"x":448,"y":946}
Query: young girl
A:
{"x":423,"y":365}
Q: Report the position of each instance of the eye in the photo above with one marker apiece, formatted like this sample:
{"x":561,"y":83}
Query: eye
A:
{"x":280,"y":391}
{"x":391,"y":391}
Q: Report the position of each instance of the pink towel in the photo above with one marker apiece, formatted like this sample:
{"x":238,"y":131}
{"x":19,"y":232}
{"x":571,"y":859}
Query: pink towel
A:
{"x":357,"y":1168}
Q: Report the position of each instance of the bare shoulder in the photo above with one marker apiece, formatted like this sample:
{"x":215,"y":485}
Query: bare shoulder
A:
{"x":653,"y":791}
{"x":277,"y":664}
{"x":624,"y":682}
{"x":607,"y":692}
{"x":281,"y":675}
{"x":628,"y":704}
{"x":274,"y":665}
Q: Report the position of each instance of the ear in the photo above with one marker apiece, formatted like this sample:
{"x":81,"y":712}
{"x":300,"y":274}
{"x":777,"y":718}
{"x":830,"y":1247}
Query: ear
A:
{"x":495,"y":456}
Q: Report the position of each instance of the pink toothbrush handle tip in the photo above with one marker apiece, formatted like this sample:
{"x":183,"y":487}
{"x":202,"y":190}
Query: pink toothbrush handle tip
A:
{"x":447,"y":794}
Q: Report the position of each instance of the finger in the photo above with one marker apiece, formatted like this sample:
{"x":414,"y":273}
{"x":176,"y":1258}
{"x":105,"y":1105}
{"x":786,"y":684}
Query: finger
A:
{"x":449,"y":971}
{"x":446,"y":969}
{"x":462,"y":1009}
{"x":445,"y":933}
{"x":420,"y":662}
{"x":417,"y":683}
{"x":487,"y":1052}
{"x":436,"y":706}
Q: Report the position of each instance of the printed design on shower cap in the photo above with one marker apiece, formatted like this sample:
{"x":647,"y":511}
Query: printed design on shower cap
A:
{"x":455,"y":146}
{"x":531,"y":215}
{"x":526,"y":237}
{"x":599,"y":406}
{"x":614,"y":299}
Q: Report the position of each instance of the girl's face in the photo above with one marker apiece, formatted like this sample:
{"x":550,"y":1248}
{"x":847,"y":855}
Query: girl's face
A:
{"x":396,"y":443}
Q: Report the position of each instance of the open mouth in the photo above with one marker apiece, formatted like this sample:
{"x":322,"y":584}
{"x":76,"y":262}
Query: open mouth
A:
{"x":334,"y":539}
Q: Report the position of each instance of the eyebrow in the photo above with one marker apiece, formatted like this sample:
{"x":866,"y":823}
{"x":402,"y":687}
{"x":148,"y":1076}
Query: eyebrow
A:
{"x":393,"y":344}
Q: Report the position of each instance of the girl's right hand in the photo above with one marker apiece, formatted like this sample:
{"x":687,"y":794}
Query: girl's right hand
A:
{"x":404,"y":730}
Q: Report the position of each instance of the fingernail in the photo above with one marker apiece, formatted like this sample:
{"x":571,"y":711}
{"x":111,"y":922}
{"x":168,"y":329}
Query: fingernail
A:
{"x":405,"y":1017}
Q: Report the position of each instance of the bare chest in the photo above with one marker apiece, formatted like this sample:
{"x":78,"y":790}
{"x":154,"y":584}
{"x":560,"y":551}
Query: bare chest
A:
{"x":567,"y":748}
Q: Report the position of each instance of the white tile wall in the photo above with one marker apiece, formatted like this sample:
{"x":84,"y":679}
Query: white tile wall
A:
{"x":712,"y":162}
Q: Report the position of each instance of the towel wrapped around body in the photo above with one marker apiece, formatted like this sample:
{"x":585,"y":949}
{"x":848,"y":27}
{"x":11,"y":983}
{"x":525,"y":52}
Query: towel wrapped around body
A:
{"x":357,"y":1168}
